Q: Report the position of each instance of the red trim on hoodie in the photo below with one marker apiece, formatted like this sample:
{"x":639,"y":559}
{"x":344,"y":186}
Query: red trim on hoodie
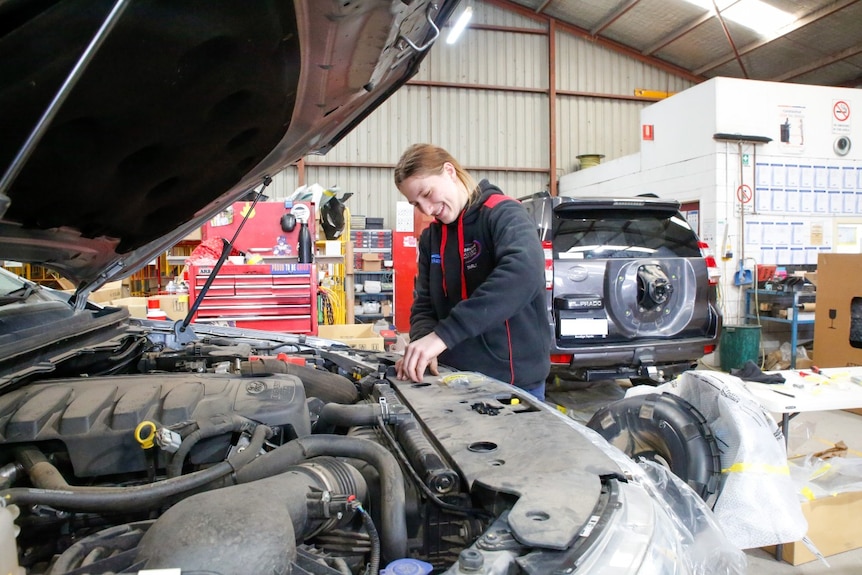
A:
{"x":511,"y":359}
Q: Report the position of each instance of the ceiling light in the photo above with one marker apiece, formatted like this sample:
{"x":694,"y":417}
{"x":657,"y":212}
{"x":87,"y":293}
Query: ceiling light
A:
{"x":459,"y":26}
{"x":759,"y":16}
{"x":754,"y":14}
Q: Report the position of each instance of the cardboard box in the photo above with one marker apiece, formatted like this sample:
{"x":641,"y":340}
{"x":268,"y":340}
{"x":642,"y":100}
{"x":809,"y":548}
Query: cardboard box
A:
{"x":372,"y":262}
{"x":174,"y":306}
{"x":108,"y":292}
{"x":137,"y":306}
{"x":832,"y":527}
{"x":360,"y":336}
{"x":838,"y":319}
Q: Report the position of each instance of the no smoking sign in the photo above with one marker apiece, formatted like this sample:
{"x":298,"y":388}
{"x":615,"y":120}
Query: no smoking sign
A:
{"x":841,"y":111}
{"x":840,"y":117}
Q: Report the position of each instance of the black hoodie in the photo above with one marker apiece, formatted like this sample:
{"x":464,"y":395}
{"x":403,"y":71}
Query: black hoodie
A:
{"x":485,"y":298}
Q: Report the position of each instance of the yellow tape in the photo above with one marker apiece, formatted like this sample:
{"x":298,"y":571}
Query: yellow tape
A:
{"x":808,"y":494}
{"x":757,"y":468}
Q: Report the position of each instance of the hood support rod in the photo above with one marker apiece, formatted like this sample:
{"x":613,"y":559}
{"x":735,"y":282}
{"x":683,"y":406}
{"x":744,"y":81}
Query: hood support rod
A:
{"x":181,"y":328}
{"x":45,"y":121}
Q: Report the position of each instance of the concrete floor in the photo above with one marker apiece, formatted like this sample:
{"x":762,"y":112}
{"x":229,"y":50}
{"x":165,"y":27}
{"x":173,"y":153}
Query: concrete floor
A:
{"x":809,"y":432}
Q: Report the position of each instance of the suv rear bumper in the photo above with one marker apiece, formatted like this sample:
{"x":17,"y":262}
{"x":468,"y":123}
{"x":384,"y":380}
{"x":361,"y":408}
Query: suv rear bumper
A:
{"x":658,"y":360}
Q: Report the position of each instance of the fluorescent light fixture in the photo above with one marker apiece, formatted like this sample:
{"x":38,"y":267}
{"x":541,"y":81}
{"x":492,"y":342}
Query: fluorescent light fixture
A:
{"x":759,"y":16}
{"x":460,"y":24}
{"x":754,"y":14}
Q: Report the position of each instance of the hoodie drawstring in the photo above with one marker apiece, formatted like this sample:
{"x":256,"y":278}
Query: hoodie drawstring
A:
{"x":461,"y":255}
{"x":443,"y":240}
{"x":443,"y":259}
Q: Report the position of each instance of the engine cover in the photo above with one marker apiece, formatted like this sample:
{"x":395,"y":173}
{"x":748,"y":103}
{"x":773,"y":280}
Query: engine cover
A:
{"x":96,"y":419}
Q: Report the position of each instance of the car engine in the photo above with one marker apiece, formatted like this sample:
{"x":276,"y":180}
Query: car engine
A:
{"x":242,"y":452}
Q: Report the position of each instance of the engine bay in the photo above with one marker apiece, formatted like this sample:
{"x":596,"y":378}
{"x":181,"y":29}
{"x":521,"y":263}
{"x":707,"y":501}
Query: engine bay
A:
{"x":248,"y":455}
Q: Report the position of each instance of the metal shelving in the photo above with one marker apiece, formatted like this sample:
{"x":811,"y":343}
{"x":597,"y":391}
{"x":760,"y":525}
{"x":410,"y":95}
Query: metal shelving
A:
{"x":794,"y":299}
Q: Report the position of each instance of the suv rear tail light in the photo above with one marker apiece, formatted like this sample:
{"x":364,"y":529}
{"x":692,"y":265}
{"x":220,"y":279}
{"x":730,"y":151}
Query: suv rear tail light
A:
{"x":713,"y":271}
{"x":548,"y":248}
{"x":561,"y":358}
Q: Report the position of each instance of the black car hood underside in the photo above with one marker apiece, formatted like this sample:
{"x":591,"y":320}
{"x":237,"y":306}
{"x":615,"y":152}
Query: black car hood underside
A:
{"x":178,"y":102}
{"x":185,"y":107}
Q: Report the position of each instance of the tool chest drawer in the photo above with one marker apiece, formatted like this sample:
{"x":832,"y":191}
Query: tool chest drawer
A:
{"x":273,"y":297}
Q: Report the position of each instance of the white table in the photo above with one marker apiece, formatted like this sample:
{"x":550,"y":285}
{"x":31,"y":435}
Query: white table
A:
{"x":803,"y":390}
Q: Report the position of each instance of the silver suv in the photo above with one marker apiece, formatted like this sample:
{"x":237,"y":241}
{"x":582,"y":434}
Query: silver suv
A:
{"x":631,"y":288}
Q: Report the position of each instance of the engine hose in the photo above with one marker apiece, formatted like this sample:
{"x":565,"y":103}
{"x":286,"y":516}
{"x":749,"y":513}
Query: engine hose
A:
{"x":51,"y":489}
{"x":217,"y":426}
{"x":348,"y":415}
{"x":436,"y":473}
{"x":393,"y":513}
{"x":328,"y":386}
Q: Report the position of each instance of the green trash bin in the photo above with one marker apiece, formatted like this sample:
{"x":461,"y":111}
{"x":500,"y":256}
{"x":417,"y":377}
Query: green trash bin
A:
{"x":738,"y":344}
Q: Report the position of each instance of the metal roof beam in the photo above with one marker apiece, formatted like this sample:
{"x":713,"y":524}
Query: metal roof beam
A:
{"x":676,"y":34}
{"x":804,"y":21}
{"x":600,"y":40}
{"x":613,"y":16}
{"x":825,"y":61}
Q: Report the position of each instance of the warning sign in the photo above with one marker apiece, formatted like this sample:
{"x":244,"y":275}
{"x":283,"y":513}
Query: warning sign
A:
{"x":743,"y":193}
{"x":840,"y":117}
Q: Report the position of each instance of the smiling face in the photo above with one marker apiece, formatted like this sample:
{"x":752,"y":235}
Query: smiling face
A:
{"x":442,"y":195}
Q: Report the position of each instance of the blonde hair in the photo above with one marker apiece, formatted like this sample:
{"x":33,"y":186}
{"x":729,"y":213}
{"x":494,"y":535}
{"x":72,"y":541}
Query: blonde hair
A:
{"x":428,"y":159}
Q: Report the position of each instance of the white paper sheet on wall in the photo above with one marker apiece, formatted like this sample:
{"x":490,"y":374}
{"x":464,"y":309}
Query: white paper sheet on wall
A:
{"x":792,"y":176}
{"x":767,"y":233}
{"x":821,"y":177}
{"x":779,"y":200}
{"x":835,"y":204}
{"x":834,"y":177}
{"x":806,"y":201}
{"x":848,"y":202}
{"x":764,"y":175}
{"x":752,"y":232}
{"x":797,"y":233}
{"x":778,"y":172}
{"x":821,"y":202}
{"x":792,"y":200}
{"x":797,"y":256}
{"x":763,"y":200}
{"x":806,"y":177}
{"x":782,"y":233}
{"x":848,"y":175}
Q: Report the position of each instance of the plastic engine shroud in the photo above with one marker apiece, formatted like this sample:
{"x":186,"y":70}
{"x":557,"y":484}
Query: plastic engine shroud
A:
{"x":96,"y":419}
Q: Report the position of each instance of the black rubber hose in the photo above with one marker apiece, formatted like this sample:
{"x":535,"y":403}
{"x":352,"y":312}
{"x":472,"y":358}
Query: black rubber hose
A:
{"x":328,"y":386}
{"x":213,"y":428}
{"x":53,"y":490}
{"x":393,"y":513}
{"x":349,"y":415}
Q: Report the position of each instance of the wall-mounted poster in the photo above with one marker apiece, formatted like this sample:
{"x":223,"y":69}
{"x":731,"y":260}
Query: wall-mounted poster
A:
{"x":791,"y":129}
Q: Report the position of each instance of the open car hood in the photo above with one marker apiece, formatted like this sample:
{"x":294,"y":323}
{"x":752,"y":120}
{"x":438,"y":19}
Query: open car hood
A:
{"x":127,"y":125}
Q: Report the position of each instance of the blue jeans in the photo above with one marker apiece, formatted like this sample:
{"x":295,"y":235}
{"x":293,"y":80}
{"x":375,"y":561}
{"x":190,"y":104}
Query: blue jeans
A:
{"x":537,"y":390}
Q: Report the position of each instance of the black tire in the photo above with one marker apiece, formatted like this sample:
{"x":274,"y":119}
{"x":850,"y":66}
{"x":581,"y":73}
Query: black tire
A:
{"x":668,"y":430}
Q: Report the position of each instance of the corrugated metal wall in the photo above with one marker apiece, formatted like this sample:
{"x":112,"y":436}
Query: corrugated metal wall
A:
{"x":486,"y":100}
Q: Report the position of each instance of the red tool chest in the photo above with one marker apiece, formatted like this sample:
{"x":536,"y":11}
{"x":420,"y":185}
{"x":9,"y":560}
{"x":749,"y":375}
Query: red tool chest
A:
{"x":274,"y":297}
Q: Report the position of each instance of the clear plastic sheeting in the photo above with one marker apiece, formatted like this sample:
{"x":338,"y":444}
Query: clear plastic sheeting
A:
{"x":757,"y":503}
{"x":815,"y":478}
{"x":684,"y":538}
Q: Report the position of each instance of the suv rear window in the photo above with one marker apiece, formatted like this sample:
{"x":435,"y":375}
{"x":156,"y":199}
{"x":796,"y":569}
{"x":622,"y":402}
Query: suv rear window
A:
{"x":622,"y":234}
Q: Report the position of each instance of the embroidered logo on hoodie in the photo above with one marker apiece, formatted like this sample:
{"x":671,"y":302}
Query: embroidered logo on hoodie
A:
{"x":435,"y":259}
{"x":471,"y":254}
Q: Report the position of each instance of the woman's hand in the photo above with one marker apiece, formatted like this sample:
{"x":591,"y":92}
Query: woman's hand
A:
{"x":418,"y":355}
